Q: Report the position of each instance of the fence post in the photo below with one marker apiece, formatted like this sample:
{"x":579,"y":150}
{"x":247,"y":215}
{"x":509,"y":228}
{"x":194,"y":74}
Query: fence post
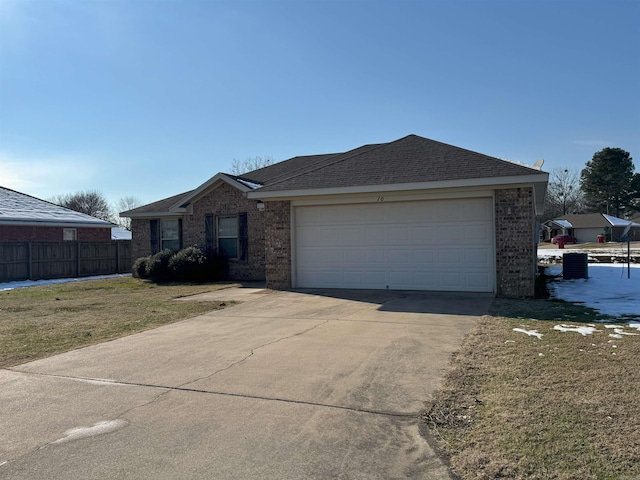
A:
{"x":77,"y":259}
{"x":117,"y":256}
{"x":29,"y":261}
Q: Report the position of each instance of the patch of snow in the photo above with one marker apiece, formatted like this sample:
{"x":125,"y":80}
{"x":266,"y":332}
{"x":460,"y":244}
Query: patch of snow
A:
{"x":99,"y":428}
{"x":581,"y":330}
{"x":37,"y":283}
{"x":531,"y":333}
{"x":607,"y":289}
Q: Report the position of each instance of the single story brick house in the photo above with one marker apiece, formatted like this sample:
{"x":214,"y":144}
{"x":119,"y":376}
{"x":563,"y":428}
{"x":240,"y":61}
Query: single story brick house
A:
{"x":411,"y":214}
{"x":586,"y":227}
{"x":24,"y":218}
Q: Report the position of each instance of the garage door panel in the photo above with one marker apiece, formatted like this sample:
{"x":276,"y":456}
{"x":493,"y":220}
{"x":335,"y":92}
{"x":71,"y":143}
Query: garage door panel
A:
{"x":424,"y":258}
{"x":426,"y":245}
{"x":376,"y":257}
{"x":477,"y":257}
{"x":353,"y":236}
{"x":375,"y":236}
{"x":450,"y":257}
{"x":400,"y":256}
{"x":478,"y":280}
{"x":354,"y":258}
{"x":424,"y":235}
{"x":376,"y":279}
{"x":451,"y":234}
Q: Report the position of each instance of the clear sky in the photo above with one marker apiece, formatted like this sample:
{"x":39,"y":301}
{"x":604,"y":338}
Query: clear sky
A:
{"x":151,"y":98}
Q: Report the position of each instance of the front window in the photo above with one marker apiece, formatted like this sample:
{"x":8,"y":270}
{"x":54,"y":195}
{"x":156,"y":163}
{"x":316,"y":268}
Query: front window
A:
{"x":228,"y":237}
{"x":170,"y":235}
{"x":69,"y":234}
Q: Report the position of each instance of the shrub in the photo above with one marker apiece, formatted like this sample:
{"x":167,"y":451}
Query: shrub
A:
{"x":139,"y":269}
{"x":158,"y":266}
{"x":216,"y":268}
{"x":188,"y":265}
{"x":193,"y":265}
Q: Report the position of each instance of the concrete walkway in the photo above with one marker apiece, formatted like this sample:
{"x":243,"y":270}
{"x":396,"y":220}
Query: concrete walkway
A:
{"x":288,"y":385}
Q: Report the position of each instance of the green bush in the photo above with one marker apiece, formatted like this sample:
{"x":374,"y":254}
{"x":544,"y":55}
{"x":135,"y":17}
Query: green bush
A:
{"x":158,"y":266}
{"x":139,"y":269}
{"x":188,"y":265}
{"x":193,"y":265}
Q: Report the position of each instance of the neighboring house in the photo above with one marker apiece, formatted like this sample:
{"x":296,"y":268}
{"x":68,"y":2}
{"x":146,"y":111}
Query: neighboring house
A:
{"x":587,"y":226}
{"x":24,"y":218}
{"x":411,"y":214}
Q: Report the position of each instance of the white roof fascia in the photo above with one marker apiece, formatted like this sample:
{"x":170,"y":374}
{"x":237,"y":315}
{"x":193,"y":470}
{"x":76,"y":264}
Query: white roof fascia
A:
{"x":522,"y":180}
{"x":206,"y":186}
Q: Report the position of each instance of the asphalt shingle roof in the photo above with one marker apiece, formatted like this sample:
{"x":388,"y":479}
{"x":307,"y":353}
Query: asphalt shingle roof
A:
{"x":411,"y":159}
{"x":19,"y":207}
{"x":159,"y":206}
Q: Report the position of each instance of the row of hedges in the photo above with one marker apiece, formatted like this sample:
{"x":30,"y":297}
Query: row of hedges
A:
{"x":188,"y":265}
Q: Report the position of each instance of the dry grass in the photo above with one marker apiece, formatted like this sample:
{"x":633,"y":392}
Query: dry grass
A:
{"x":564,"y":407}
{"x":37,"y":322}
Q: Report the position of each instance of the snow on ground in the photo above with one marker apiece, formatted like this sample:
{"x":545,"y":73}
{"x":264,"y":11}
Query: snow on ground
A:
{"x":607,"y":289}
{"x":551,"y":254}
{"x":531,"y":333}
{"x":37,"y":283}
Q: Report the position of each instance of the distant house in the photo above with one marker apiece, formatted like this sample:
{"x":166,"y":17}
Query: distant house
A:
{"x":24,"y":218}
{"x":587,"y":226}
{"x":409,"y":214}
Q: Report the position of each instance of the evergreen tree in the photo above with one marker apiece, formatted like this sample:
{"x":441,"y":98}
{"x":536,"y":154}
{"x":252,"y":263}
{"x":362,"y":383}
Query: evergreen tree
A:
{"x":608,"y":182}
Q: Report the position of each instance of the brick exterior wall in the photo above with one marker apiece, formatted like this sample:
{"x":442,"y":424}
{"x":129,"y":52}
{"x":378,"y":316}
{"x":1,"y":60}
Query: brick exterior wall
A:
{"x":9,"y":233}
{"x":227,"y":200}
{"x":278,"y":240}
{"x":515,"y":243}
{"x":140,"y":238}
{"x":224,"y":200}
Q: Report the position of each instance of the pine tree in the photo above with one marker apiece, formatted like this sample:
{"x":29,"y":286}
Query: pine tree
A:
{"x":607,"y":182}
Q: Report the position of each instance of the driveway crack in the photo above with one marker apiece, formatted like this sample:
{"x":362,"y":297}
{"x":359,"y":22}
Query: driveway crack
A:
{"x":252,"y":352}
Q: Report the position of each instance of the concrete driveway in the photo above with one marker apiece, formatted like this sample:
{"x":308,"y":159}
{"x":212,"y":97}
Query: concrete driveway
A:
{"x":288,"y":385}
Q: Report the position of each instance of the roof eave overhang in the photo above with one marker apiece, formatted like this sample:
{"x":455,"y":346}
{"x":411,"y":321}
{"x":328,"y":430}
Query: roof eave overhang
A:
{"x":537,"y":181}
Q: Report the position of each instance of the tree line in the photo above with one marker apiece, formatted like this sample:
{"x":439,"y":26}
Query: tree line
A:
{"x":608,"y":184}
{"x":94,"y":203}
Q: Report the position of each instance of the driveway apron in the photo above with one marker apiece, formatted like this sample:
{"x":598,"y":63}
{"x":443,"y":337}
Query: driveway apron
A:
{"x":309,"y":384}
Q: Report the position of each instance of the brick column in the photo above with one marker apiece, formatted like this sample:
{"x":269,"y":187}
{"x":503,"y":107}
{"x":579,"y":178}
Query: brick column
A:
{"x":277,"y":226}
{"x":515,"y":243}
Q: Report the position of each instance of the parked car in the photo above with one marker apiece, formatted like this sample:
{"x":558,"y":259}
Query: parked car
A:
{"x":564,"y":239}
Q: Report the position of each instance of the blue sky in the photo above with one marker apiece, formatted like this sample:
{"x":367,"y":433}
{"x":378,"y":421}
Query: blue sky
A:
{"x":151,"y":98}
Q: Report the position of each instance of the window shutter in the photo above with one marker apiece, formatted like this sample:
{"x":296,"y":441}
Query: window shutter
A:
{"x":243,"y":244}
{"x":209,"y":233}
{"x":180,"y":233}
{"x":153,"y":236}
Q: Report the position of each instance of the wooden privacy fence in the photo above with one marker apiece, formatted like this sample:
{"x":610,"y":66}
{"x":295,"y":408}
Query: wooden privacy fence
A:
{"x":47,"y":260}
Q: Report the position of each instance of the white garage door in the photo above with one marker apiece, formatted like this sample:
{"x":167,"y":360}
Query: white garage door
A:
{"x":422,"y":245}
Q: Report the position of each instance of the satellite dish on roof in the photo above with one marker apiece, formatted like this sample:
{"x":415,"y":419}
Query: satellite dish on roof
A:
{"x":538,"y":164}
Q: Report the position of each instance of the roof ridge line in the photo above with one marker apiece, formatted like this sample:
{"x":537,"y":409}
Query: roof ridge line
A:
{"x":342,"y":158}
